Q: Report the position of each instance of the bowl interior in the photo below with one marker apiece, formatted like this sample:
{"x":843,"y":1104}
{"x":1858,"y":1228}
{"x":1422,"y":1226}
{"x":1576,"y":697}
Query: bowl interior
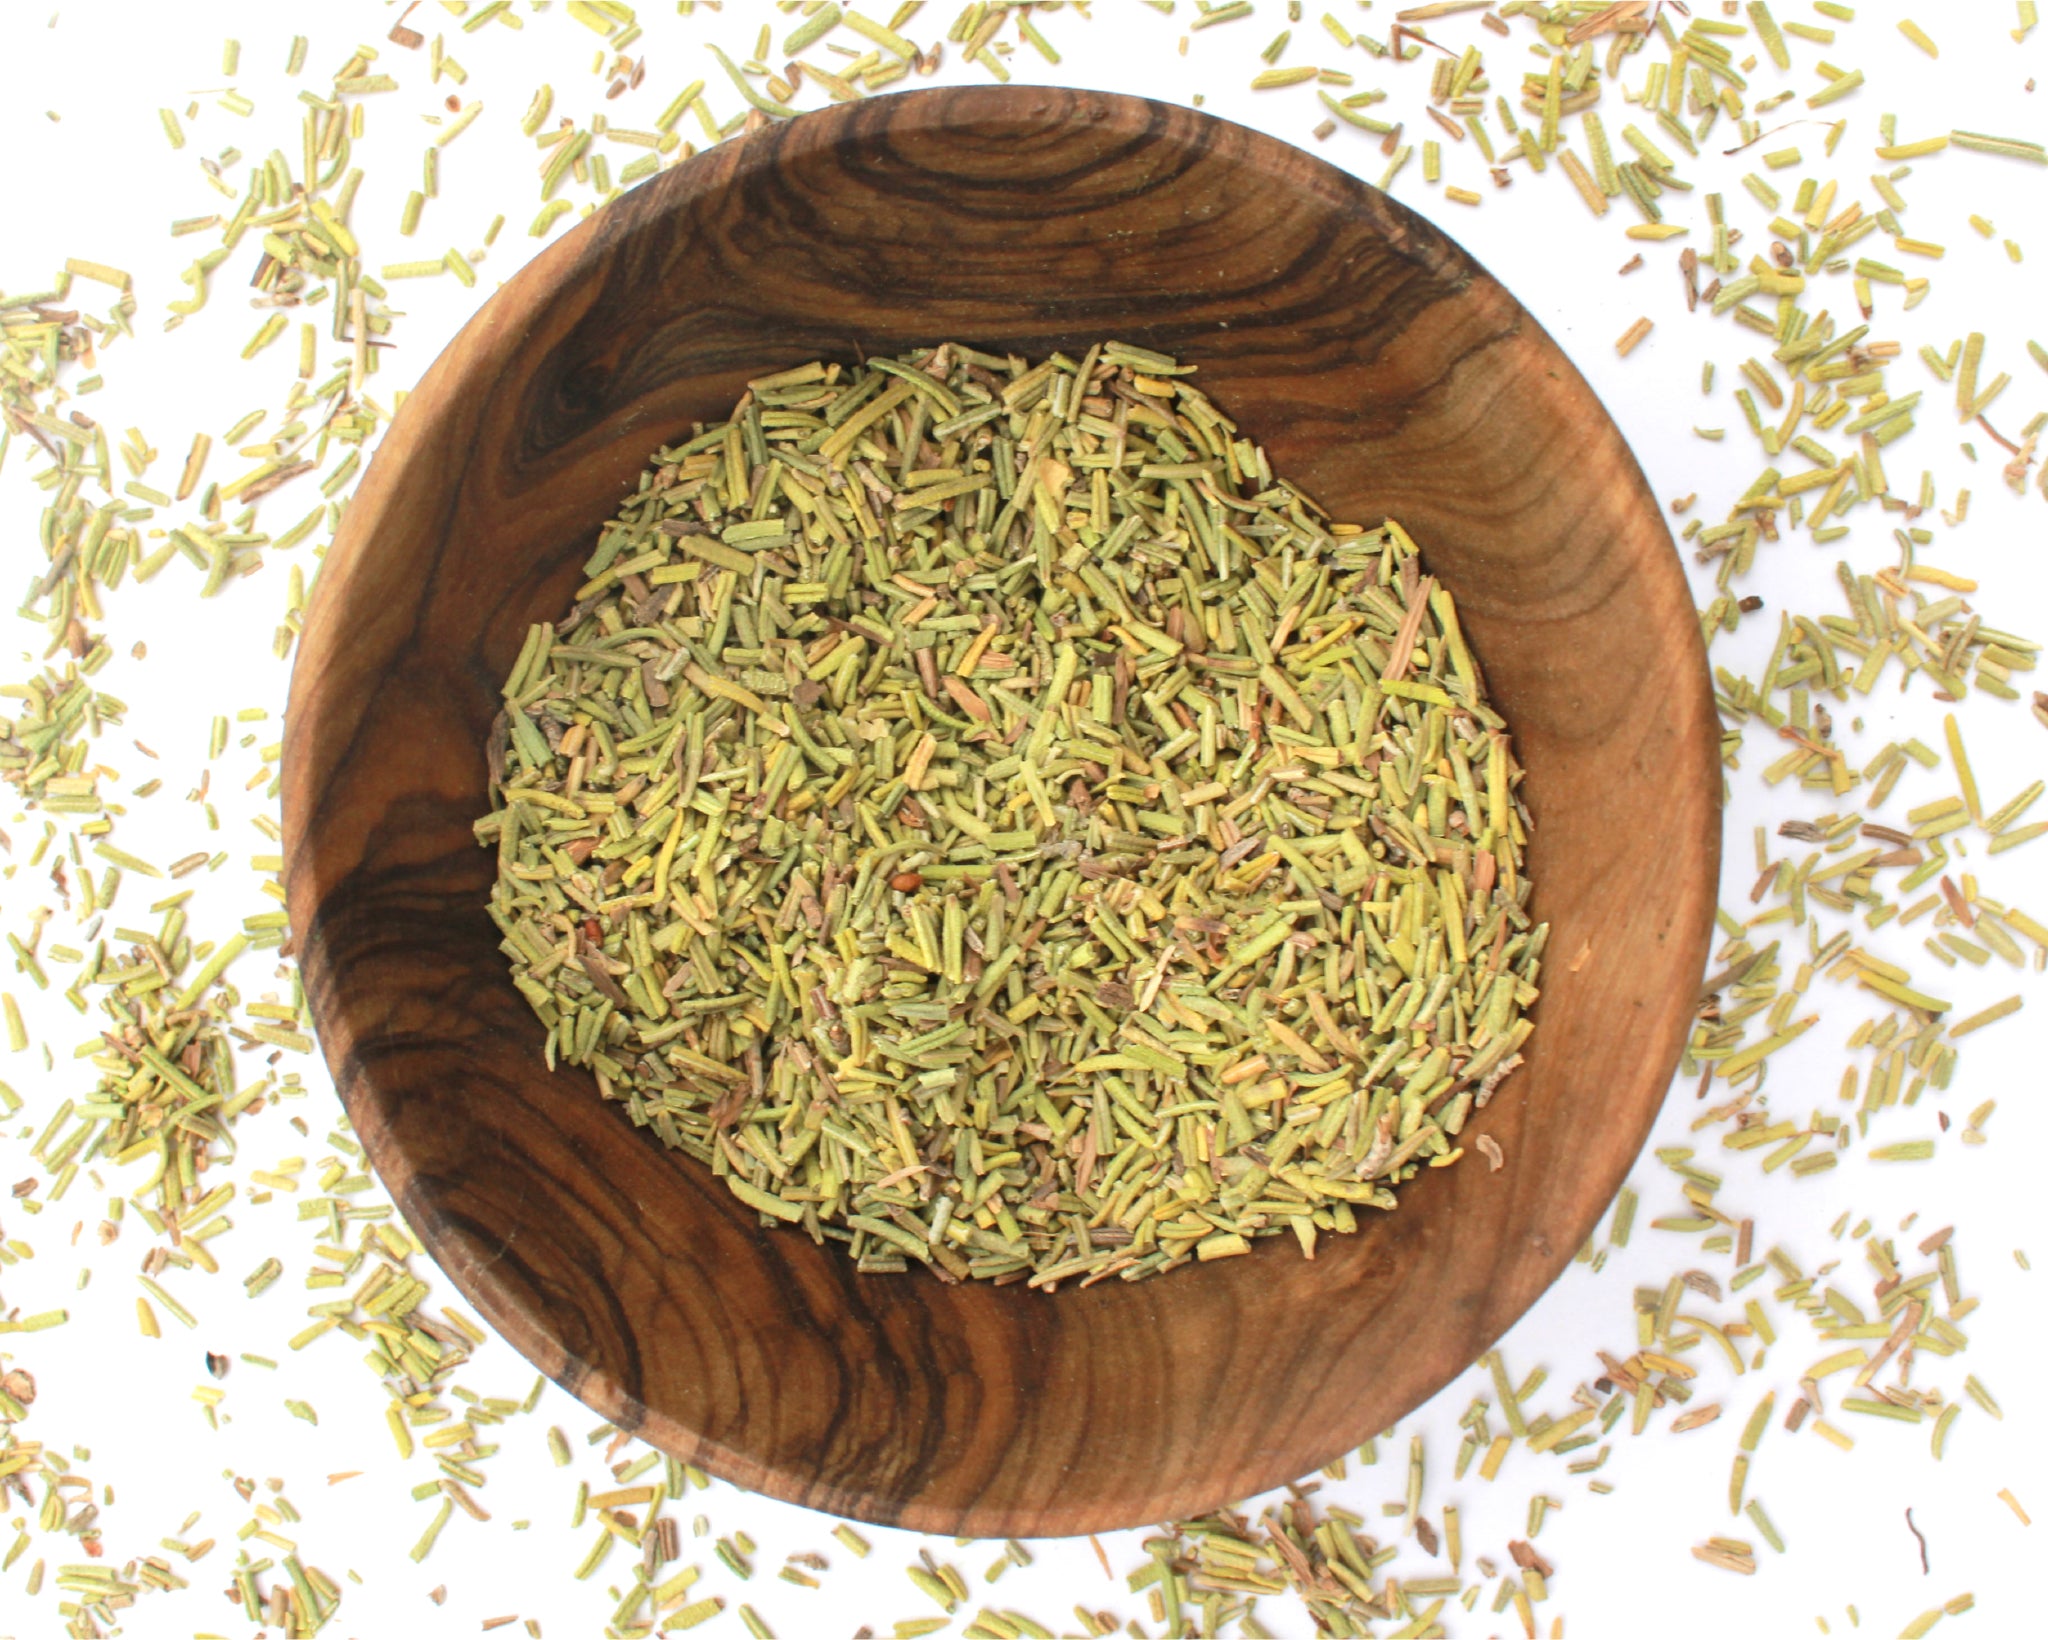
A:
{"x":1385,"y":373}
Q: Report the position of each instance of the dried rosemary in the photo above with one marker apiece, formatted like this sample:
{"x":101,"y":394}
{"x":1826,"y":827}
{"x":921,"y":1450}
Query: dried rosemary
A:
{"x":986,"y":815}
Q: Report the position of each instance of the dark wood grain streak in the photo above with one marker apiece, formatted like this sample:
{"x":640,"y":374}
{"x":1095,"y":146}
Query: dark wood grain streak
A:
{"x":1387,"y":374}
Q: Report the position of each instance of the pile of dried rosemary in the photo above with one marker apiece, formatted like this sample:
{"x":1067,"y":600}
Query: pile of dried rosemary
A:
{"x":992,"y":820}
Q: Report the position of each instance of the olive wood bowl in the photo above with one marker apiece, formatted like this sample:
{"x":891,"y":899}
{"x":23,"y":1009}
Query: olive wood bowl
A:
{"x":1388,"y":375}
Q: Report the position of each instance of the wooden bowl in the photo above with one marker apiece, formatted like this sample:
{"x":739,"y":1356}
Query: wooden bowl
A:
{"x":1388,"y":375}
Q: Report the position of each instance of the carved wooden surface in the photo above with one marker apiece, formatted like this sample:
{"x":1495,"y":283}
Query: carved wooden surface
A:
{"x":1387,"y":374}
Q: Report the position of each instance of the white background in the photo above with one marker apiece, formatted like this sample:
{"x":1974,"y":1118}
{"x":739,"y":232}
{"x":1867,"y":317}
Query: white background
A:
{"x":100,"y":182}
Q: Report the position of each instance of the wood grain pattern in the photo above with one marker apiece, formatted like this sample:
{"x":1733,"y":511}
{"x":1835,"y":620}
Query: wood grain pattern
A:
{"x":1387,"y":374}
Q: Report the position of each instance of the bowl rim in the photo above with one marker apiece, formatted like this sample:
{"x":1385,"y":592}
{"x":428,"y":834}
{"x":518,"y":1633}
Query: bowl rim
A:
{"x":716,"y":173}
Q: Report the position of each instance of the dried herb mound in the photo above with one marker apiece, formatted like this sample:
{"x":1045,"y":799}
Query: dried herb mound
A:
{"x":994,"y":822}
